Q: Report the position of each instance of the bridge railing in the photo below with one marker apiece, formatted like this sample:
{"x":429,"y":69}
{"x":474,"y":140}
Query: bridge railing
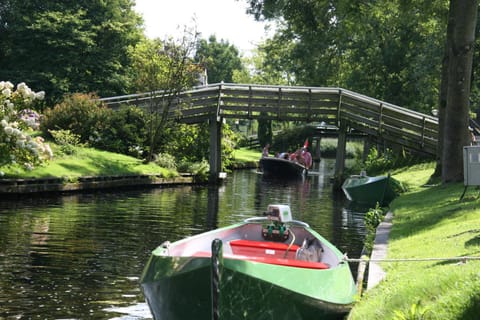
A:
{"x":389,"y":122}
{"x":382,"y":120}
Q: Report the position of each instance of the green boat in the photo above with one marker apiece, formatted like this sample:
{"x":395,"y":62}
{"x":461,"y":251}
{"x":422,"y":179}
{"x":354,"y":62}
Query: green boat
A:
{"x":270,"y":267}
{"x":367,"y":190}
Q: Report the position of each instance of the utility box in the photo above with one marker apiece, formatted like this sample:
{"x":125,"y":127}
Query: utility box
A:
{"x":471,"y":165}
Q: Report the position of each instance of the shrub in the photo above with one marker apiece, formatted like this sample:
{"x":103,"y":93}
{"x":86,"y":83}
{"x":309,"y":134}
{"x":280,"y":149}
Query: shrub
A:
{"x":377,"y":162}
{"x":372,"y":219}
{"x":165,"y":160}
{"x":200,"y":171}
{"x":291,"y":139}
{"x":81,"y":114}
{"x":124,"y":132}
{"x":66,"y":140}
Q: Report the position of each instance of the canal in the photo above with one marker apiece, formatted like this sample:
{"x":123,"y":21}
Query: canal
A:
{"x":80,"y":256}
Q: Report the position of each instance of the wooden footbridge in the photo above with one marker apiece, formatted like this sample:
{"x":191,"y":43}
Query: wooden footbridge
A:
{"x":345,"y":109}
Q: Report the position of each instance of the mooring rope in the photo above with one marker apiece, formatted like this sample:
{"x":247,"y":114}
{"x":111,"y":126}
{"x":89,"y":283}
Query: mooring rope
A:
{"x":290,"y":245}
{"x":366,"y":259}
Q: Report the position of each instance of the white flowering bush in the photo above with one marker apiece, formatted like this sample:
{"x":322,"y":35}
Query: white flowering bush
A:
{"x":17,"y":122}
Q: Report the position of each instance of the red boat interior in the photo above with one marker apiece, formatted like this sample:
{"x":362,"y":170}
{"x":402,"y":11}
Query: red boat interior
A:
{"x":270,"y":252}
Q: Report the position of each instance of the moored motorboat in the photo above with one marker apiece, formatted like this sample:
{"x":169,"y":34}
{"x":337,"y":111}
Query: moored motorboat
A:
{"x":270,"y":267}
{"x":282,"y":168}
{"x":370,"y":190}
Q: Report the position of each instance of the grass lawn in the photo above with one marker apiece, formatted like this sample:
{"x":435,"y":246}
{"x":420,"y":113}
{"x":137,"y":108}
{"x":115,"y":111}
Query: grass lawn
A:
{"x":244,"y":158}
{"x":246,"y":155}
{"x":429,"y":222}
{"x":92,"y":162}
{"x":88,"y":162}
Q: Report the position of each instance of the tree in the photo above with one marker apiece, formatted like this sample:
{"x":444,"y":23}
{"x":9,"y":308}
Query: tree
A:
{"x":442,"y":97}
{"x":66,"y":47}
{"x":164,"y":69}
{"x":261,"y":70}
{"x":385,"y":49}
{"x":460,"y":55}
{"x":221,"y":59}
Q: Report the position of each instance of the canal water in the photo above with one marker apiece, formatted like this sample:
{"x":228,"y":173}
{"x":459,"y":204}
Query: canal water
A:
{"x":80,"y":256}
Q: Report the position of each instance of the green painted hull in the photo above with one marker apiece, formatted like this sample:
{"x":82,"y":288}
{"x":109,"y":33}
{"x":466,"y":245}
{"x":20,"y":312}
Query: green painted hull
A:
{"x":369,"y":190}
{"x":180,"y":288}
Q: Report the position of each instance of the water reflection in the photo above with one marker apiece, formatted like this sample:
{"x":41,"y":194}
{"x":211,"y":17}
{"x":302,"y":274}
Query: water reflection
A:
{"x":80,"y":256}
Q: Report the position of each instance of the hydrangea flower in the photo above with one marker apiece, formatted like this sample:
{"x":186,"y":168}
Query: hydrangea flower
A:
{"x":16,"y":122}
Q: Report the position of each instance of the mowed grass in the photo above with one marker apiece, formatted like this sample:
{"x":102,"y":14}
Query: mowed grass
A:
{"x":429,"y":222}
{"x":246,"y":155}
{"x":92,"y":162}
{"x":87,"y":162}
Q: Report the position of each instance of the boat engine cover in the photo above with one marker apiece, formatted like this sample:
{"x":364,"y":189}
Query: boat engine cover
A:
{"x":280,"y":211}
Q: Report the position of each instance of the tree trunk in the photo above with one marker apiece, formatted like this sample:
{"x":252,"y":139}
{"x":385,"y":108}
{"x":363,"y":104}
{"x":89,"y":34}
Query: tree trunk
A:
{"x":442,"y":101}
{"x":460,"y":56}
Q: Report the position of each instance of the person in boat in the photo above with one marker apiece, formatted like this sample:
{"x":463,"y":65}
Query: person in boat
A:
{"x":299,"y":157}
{"x":293,"y":156}
{"x":307,"y":156}
{"x":265,"y":151}
{"x":284,"y":155}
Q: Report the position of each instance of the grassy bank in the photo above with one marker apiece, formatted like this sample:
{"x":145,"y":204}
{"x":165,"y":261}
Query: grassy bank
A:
{"x":243,"y":158}
{"x":87,"y":162}
{"x":92,"y":162}
{"x":429,"y":222}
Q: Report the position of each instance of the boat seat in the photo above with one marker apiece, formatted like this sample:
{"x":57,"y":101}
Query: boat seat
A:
{"x":272,"y":253}
{"x":266,"y":252}
{"x":263,"y":248}
{"x":269,"y":260}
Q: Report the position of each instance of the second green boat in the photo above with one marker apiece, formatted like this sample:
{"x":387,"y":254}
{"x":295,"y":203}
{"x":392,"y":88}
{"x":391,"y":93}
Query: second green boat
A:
{"x":367,"y":190}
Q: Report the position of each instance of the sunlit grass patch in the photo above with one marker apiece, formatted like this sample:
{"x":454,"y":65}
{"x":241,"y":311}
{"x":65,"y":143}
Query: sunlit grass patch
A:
{"x":88,"y":162}
{"x":246,"y":155}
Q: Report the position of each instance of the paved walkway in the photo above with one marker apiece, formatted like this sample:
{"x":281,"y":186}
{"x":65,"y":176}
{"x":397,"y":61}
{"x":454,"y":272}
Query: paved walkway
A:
{"x":376,"y":273}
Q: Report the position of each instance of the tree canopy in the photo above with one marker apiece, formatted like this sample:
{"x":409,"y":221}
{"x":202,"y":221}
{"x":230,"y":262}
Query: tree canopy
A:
{"x":394,"y":50}
{"x":220,"y":59}
{"x":64,"y":47}
{"x":390,"y":50}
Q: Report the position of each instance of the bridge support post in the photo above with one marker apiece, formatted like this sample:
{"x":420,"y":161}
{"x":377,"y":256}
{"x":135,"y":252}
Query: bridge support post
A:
{"x":340,"y":158}
{"x":317,"y":141}
{"x":366,"y":147}
{"x":215,"y":160}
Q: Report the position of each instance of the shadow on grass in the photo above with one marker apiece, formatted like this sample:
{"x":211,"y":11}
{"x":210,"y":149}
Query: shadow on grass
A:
{"x":473,"y":308}
{"x":433,"y":205}
{"x":474,"y":242}
{"x":101,"y":167}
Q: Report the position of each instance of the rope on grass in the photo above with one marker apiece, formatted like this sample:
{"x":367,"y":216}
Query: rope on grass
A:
{"x":366,"y":259}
